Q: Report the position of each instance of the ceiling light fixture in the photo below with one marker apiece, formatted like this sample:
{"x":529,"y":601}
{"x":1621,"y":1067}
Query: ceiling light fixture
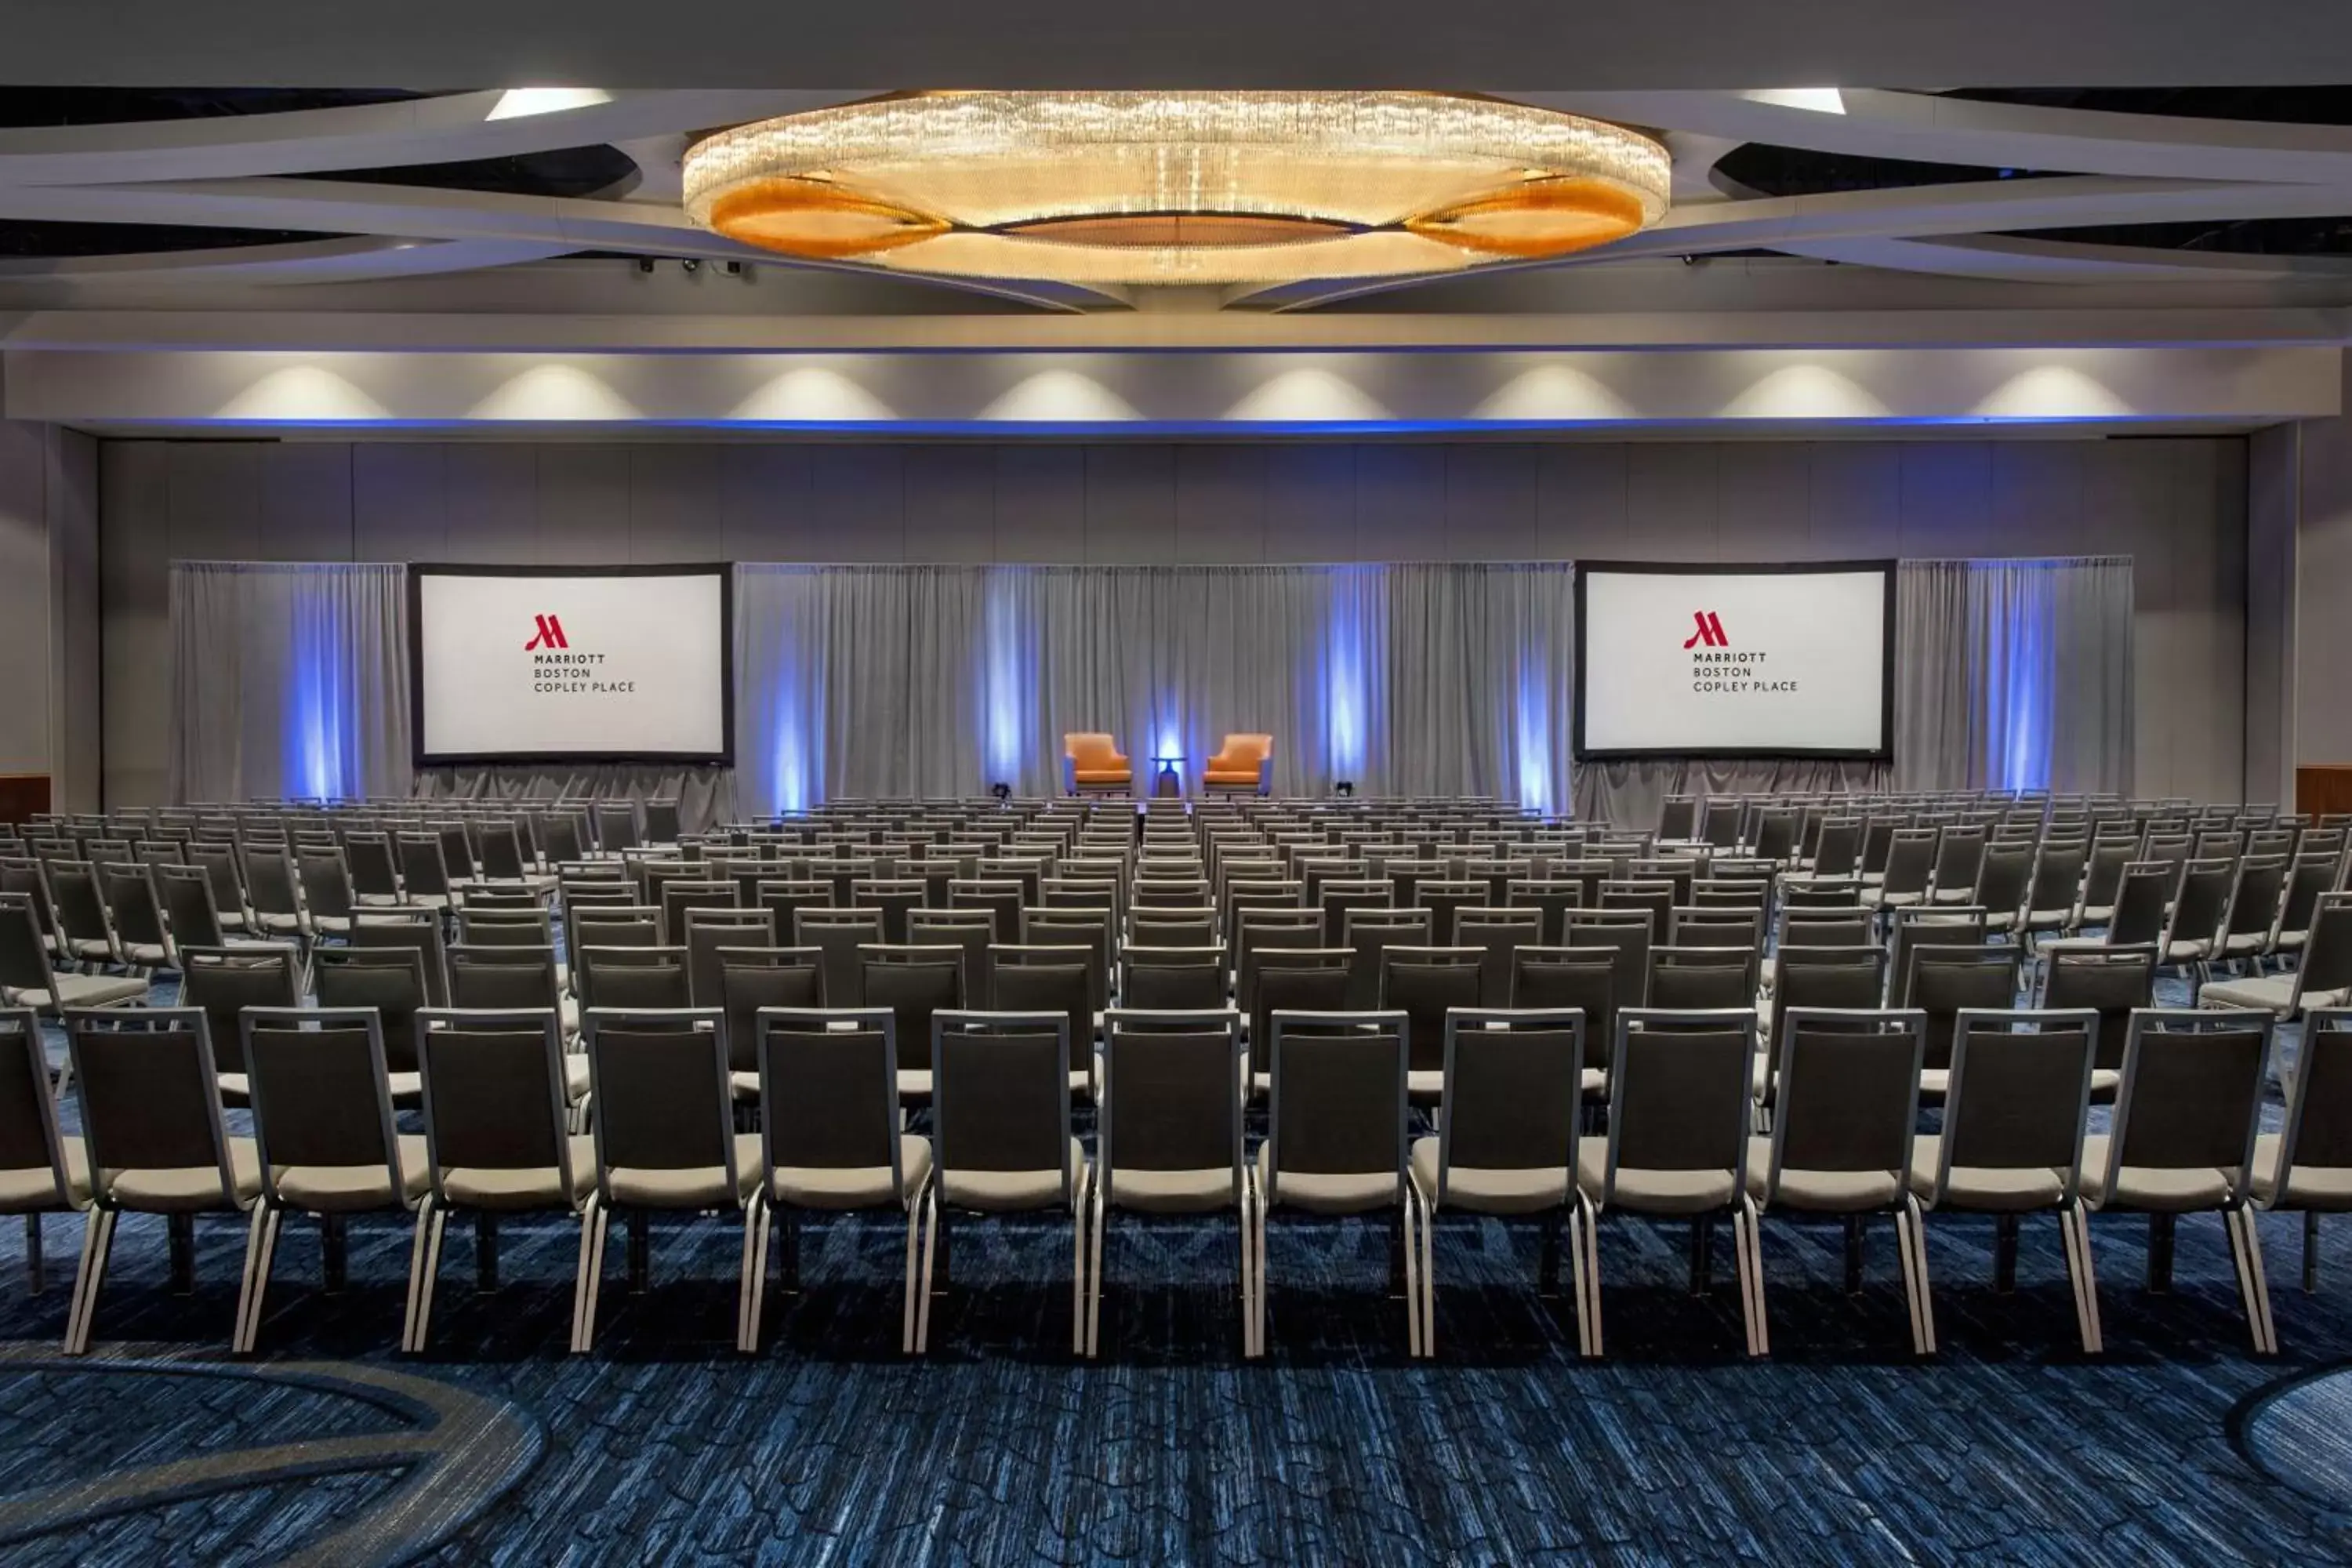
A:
{"x":1158,"y":188}
{"x":519,"y":101}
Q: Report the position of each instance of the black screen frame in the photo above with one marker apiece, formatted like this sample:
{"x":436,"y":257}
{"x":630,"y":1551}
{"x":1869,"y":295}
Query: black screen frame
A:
{"x":1883,"y":752}
{"x":724,"y":757}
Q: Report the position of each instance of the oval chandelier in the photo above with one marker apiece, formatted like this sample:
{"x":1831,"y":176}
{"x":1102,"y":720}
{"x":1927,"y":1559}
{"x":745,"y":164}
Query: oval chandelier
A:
{"x":1168,"y":188}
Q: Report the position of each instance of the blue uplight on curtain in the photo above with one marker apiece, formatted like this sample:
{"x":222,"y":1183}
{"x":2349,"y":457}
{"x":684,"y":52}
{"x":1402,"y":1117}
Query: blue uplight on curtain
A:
{"x":1346,"y":664}
{"x":321,"y":760}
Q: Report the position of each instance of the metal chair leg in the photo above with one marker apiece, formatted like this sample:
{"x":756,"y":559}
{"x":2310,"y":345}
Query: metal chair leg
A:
{"x":915,"y":1291}
{"x":437,"y":1224}
{"x":33,"y":1279}
{"x":1094,"y":1275}
{"x":1752,"y":1308}
{"x":1412,"y":1276}
{"x":747,"y":1326}
{"x":415,"y":1272}
{"x":2310,"y":1251}
{"x":97,"y":1240}
{"x":923,"y":1296}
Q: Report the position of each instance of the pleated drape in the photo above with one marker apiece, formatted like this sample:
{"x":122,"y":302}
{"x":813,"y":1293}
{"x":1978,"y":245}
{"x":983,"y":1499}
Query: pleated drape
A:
{"x":941,"y":680}
{"x":289,"y":680}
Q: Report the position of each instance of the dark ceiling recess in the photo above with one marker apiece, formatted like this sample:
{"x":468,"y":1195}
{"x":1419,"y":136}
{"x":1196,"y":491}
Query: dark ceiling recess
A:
{"x":560,"y":171}
{"x":1799,"y":171}
{"x":26,"y":106}
{"x":25,"y":241}
{"x":2273,"y":105}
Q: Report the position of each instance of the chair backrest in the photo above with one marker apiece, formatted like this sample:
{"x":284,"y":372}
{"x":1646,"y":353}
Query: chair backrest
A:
{"x":2201,"y":900}
{"x":641,"y":979}
{"x":2253,"y":906}
{"x":839,"y":933}
{"x":968,"y":930}
{"x":2020,"y":1093}
{"x":1001,"y":1095}
{"x":1295,"y":979}
{"x":2056,"y":884}
{"x":1424,"y":983}
{"x":1626,"y":932}
{"x":1846,"y":977}
{"x":494,"y":1096}
{"x":1910,"y":859}
{"x":270,"y":881}
{"x":1581,"y":980}
{"x":1338,"y":1104}
{"x":915,"y":984}
{"x":2318,"y":1131}
{"x":321,"y":1097}
{"x":417,"y":929}
{"x":1716,"y":926}
{"x":2324,"y":974}
{"x":388,"y":982}
{"x":29,"y":1139}
{"x":144,"y":1082}
{"x":1172,"y":1092}
{"x":1173,"y":978}
{"x":1929,"y":927}
{"x":1941,"y":980}
{"x":1959,"y":857}
{"x":2307,"y":878}
{"x":2191,"y":1097}
{"x":502,"y":979}
{"x":1513,"y":1091}
{"x":221,"y":982}
{"x":1260,"y":930}
{"x":1848,"y":1094}
{"x":326,"y":882}
{"x":2111,"y":983}
{"x":1026,"y":978}
{"x":2143,"y":892}
{"x":664,"y":1101}
{"x":708,"y":930}
{"x":1679,"y":1094}
{"x":189,"y":907}
{"x":1498,"y":934}
{"x":1694,"y":979}
{"x":2003,"y":878}
{"x":529,"y":926}
{"x":829,"y":1090}
{"x":752,"y":979}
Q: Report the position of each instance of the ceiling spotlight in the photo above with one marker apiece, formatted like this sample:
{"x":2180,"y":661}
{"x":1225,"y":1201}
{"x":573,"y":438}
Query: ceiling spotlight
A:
{"x":1178,"y":187}
{"x":734,"y":268}
{"x":645,"y":264}
{"x":691,"y":266}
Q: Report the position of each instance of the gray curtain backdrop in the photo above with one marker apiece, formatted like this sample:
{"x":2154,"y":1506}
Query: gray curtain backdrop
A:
{"x":1432,"y":679}
{"x":2014,"y":675}
{"x":293,"y":680}
{"x":289,"y":680}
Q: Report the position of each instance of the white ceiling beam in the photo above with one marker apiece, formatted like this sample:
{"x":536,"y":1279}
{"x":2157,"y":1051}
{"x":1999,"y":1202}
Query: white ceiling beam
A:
{"x":1163,"y":394}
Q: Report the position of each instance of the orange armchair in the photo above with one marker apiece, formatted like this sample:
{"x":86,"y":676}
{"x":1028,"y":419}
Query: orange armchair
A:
{"x":1091,"y":763}
{"x":1245,"y":763}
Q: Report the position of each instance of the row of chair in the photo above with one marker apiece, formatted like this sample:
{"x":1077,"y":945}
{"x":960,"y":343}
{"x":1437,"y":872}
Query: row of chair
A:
{"x":1679,"y":1143}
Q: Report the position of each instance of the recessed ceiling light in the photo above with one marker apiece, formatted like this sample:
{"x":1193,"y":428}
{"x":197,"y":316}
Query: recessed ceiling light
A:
{"x":518,"y":101}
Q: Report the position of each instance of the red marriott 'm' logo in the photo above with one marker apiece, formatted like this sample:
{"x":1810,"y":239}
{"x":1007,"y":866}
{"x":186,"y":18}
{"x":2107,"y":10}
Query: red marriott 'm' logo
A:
{"x":548,"y":632}
{"x":1709,"y":633}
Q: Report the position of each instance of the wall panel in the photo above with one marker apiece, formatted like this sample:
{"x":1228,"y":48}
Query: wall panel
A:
{"x":2177,"y":505}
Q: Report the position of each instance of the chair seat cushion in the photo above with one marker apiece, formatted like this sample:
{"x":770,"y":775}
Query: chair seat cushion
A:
{"x":351,"y":1189}
{"x":2265,"y":993}
{"x":1174,"y":1192}
{"x":34,"y":1190}
{"x":696,"y":1187}
{"x":1986,"y":1188}
{"x":1827,"y":1191}
{"x":85,"y":991}
{"x":1009,"y":1191}
{"x":1232,"y":776}
{"x":1651,"y":1192}
{"x":528,"y":1187}
{"x":1325,"y":1191}
{"x":914,"y":1083}
{"x":2151,"y":1189}
{"x":860,"y":1187}
{"x":1103,"y":775}
{"x":575,"y":1078}
{"x":1488,"y":1191}
{"x":187,"y":1189}
{"x":2326,"y":1188}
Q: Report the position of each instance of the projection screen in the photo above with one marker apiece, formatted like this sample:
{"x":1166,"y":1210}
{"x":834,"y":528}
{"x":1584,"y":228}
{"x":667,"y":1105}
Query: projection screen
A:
{"x":1735,"y":661}
{"x":571,"y":665}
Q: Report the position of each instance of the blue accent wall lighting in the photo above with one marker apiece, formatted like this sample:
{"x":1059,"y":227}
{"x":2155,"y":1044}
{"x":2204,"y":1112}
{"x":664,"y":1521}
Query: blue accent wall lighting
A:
{"x":1533,"y":735}
{"x":1346,"y":699}
{"x":320,"y":760}
{"x":1008,"y":682}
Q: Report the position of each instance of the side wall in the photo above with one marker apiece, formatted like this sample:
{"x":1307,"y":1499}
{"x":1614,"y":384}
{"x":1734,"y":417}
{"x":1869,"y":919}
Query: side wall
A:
{"x":2178,"y":506}
{"x":49,"y":609}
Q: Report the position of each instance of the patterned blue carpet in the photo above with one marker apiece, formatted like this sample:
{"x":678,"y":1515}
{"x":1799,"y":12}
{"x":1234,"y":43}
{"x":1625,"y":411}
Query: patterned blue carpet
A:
{"x":2178,"y":1445}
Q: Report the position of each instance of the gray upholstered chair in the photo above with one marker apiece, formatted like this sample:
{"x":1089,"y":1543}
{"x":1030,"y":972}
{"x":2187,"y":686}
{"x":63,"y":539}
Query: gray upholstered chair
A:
{"x":28,"y":979}
{"x":1506,"y":1147}
{"x":1426,"y":984}
{"x":151,"y":1119}
{"x":1680,"y":1085}
{"x":2322,"y":977}
{"x":1001,"y":1118}
{"x":1335,"y":1141}
{"x":1169,"y":1139}
{"x":831,"y":1142}
{"x":665,"y":1139}
{"x":1846,"y":1100}
{"x":42,"y":1170}
{"x":2306,"y":1167}
{"x":498,"y":1138}
{"x":2011,"y":1138}
{"x":223,"y":981}
{"x":751,"y":980}
{"x":2182,"y":1140}
{"x":1173,"y":978}
{"x":325,"y":1136}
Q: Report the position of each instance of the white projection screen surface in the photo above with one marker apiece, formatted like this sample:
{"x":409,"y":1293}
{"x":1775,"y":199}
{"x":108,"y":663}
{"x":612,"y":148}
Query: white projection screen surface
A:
{"x":1735,"y":661}
{"x":584,"y":665}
